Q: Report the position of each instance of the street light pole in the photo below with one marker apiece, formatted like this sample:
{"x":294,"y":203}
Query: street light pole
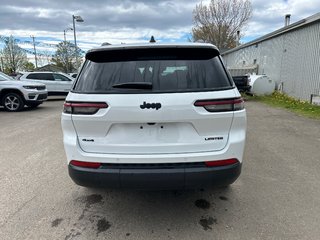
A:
{"x":78,"y":19}
{"x":65,"y":45}
{"x":74,"y":33}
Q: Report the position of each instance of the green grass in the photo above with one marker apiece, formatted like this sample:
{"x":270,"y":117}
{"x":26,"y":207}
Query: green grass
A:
{"x":282,"y":100}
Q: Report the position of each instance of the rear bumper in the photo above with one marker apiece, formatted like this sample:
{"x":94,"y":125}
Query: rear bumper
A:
{"x":155,"y":178}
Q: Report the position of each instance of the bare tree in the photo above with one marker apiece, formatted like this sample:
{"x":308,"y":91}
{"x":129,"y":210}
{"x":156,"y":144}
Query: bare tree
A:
{"x":66,"y":56}
{"x":44,"y":57}
{"x":13,"y":56}
{"x":219,"y":22}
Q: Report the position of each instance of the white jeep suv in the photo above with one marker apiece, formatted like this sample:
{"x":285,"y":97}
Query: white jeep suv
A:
{"x":56,"y":83}
{"x":154,"y":116}
{"x":14,"y":95}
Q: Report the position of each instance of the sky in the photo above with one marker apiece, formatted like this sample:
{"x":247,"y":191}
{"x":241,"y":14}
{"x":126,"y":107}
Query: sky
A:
{"x":128,"y":21}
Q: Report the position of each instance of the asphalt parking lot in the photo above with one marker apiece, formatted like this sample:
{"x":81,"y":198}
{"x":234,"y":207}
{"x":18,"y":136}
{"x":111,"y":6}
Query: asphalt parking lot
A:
{"x":276,"y":197}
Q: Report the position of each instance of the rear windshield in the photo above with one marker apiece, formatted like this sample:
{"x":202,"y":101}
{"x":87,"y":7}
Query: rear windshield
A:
{"x":165,"y":70}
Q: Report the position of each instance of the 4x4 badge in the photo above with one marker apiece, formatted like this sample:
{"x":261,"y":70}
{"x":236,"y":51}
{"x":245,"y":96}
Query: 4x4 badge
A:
{"x":150,"y":105}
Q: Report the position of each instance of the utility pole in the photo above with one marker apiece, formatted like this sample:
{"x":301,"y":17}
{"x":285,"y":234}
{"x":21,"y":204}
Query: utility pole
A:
{"x":2,"y":67}
{"x":35,"y":52}
{"x":75,"y":39}
{"x":64,"y":33}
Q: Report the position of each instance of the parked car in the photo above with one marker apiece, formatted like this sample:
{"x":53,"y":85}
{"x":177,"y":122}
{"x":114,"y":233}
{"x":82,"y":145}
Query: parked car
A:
{"x":154,"y":116}
{"x":242,"y":83}
{"x":14,"y":95}
{"x":57,"y":83}
{"x":74,"y":75}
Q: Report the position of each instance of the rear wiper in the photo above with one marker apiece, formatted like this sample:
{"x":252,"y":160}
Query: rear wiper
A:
{"x":134,"y":85}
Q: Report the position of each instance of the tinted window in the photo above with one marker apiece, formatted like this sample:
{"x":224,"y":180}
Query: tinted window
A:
{"x":168,"y":70}
{"x":40,"y":76}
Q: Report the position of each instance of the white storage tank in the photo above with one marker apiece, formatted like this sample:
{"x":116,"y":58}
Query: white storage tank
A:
{"x":261,"y":85}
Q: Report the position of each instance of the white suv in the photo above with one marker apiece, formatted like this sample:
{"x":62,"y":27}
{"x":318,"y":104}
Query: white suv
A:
{"x":15,"y":94}
{"x":57,"y":83}
{"x":154,"y":116}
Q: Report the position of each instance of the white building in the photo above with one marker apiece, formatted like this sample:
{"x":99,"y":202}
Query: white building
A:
{"x":290,"y":56}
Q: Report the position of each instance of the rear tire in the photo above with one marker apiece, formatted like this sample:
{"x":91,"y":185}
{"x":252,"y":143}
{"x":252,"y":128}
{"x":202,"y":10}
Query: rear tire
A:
{"x":12,"y":102}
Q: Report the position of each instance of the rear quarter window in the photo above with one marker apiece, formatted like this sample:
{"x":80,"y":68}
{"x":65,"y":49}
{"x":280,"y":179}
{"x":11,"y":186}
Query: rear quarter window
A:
{"x":169,"y":70}
{"x":59,"y":77}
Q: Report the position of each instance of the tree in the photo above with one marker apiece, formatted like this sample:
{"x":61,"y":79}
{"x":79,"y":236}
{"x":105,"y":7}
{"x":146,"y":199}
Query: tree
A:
{"x":45,"y":57}
{"x":219,"y":22}
{"x":28,"y":66}
{"x":66,"y":56}
{"x":13,"y":56}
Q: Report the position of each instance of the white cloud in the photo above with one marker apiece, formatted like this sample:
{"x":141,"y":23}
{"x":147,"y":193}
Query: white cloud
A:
{"x":269,"y":15}
{"x":129,"y":21}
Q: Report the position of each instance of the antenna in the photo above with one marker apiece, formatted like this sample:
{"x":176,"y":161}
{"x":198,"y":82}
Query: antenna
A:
{"x":152,"y":40}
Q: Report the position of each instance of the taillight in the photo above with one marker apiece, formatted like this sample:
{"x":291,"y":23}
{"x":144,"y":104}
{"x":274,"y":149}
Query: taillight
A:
{"x":221,"y":163}
{"x":85,"y":164}
{"x":83,"y":108}
{"x":221,"y":105}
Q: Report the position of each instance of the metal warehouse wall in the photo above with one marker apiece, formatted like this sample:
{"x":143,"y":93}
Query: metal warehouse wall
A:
{"x":291,"y":59}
